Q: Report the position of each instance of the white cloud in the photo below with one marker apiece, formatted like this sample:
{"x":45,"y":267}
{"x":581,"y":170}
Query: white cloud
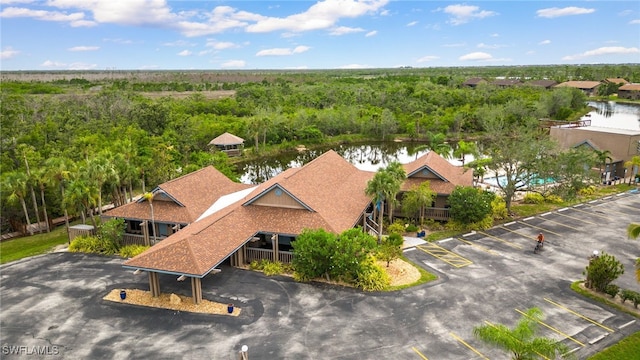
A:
{"x":185,"y":53}
{"x":461,"y":14}
{"x":84,"y":48}
{"x":221,"y":45}
{"x":555,"y":12}
{"x":342,"y":30}
{"x":233,"y":64}
{"x":544,"y":42}
{"x":81,"y":66}
{"x":617,"y":50}
{"x":8,"y":53}
{"x":355,"y":66}
{"x":75,"y":19}
{"x":179,"y":43}
{"x":489,"y":46}
{"x":427,"y":58}
{"x":413,"y":23}
{"x":322,"y":15}
{"x":634,"y":22}
{"x":52,"y":64}
{"x":118,"y":41}
{"x":371,"y":33}
{"x":282,"y":51}
{"x":455,"y":45}
{"x":476,"y":56}
{"x":495,"y":35}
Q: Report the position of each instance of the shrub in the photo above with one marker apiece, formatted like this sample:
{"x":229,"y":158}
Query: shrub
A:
{"x":499,"y":208}
{"x":602,"y":271}
{"x":396,"y":228}
{"x":533,"y":198}
{"x":93,"y":245}
{"x":411,"y":228}
{"x":553,"y":199}
{"x":271,"y":268}
{"x":626,"y":294}
{"x":130,"y":251}
{"x":483,"y":224}
{"x":586,"y":191}
{"x":255,"y":265}
{"x":371,"y":277}
{"x":612,"y":290}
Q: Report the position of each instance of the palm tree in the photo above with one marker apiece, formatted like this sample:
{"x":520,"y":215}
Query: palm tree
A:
{"x":603,"y":156}
{"x":42,"y":179}
{"x":60,"y":169}
{"x":377,"y":189}
{"x":25,"y":150}
{"x":396,"y":170}
{"x":437,"y":142}
{"x":418,"y":198}
{"x":15,"y":183}
{"x":632,"y":164}
{"x":149,"y":197}
{"x":521,"y":341}
{"x":82,"y":197}
{"x":465,"y":148}
{"x":634,"y":232}
{"x":99,"y":170}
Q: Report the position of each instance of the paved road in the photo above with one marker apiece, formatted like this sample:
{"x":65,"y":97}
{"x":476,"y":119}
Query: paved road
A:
{"x":54,"y":302}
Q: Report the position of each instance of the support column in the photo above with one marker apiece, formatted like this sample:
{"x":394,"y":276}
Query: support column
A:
{"x":154,"y":284}
{"x":196,"y":290}
{"x":145,"y":233}
{"x":274,"y":243}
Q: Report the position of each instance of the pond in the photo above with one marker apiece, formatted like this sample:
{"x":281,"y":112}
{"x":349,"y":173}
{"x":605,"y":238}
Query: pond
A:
{"x":614,"y":115}
{"x":366,"y":156}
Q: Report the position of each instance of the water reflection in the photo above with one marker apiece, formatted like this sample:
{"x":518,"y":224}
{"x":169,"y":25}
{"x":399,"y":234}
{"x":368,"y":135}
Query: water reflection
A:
{"x":615,"y":115}
{"x":369,"y":157}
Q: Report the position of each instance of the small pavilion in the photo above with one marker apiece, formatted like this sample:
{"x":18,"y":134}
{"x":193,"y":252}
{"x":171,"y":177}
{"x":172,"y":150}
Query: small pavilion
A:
{"x":230,"y":144}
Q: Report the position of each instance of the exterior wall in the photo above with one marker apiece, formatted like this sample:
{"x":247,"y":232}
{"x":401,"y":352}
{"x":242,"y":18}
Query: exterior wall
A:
{"x":629,"y":94}
{"x":425,"y":174}
{"x":273,"y":199}
{"x":622,"y":146}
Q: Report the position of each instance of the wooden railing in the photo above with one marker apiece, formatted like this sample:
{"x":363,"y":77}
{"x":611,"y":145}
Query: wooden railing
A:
{"x":257,"y":254}
{"x":371,"y":226}
{"x":133,"y":239}
{"x":437,"y":213}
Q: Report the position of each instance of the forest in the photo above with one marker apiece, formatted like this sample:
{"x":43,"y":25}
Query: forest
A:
{"x":72,"y":142}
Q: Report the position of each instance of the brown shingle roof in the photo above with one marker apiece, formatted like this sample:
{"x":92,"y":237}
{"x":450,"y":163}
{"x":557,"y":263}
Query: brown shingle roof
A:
{"x":616,"y":81}
{"x":194,"y":193}
{"x":630,"y":87}
{"x":580,"y":84}
{"x":542,"y":83}
{"x":227,"y":139}
{"x":450,"y":175}
{"x":329,"y":185}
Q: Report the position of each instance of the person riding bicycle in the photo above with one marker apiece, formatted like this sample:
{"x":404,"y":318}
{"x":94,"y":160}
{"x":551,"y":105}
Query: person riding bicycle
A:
{"x":541,"y":239}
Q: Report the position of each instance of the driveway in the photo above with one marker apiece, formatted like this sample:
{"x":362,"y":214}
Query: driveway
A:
{"x":52,"y":307}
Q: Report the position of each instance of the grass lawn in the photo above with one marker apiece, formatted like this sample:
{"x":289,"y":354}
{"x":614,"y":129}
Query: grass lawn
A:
{"x":628,"y":348}
{"x":18,"y":248}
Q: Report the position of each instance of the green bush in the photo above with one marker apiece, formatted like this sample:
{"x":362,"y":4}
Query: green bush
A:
{"x":533,"y":198}
{"x":396,"y":228}
{"x":130,"y":251}
{"x":587,"y":191}
{"x":411,"y":228}
{"x":499,"y":208}
{"x":372,"y":277}
{"x":271,"y":268}
{"x":93,"y":245}
{"x":612,"y":290}
{"x":553,"y":199}
{"x":626,"y":294}
{"x":483,"y":224}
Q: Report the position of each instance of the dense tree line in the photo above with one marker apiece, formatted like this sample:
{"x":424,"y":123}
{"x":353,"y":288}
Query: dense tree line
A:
{"x":71,"y":145}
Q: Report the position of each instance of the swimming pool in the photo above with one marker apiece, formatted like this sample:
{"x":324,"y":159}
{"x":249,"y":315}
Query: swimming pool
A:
{"x":502,"y":180}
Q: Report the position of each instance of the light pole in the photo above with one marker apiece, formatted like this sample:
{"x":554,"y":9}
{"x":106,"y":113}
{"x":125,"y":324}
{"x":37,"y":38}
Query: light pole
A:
{"x":244,"y":352}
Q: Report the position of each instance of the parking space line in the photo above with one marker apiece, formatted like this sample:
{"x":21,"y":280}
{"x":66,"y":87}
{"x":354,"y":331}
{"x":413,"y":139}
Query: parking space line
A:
{"x":590,"y":213}
{"x":579,"y":315}
{"x":576,"y":218}
{"x":629,"y":206}
{"x":517,"y":246}
{"x":445,"y":255}
{"x":419,"y":353}
{"x":468,"y":346}
{"x":596,"y":207}
{"x":539,"y":228}
{"x":567,"y":336}
{"x":480,"y":247}
{"x":562,"y":224}
{"x":521,"y":234}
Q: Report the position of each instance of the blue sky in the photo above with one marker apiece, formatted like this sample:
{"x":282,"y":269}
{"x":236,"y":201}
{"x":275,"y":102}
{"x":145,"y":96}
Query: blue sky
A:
{"x":326,"y":34}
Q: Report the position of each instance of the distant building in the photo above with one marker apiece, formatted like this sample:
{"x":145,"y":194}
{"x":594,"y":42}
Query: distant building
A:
{"x":473,"y":82}
{"x":229,"y":143}
{"x":547,"y":84}
{"x":629,"y":91}
{"x":590,"y":88}
{"x":504,"y":83}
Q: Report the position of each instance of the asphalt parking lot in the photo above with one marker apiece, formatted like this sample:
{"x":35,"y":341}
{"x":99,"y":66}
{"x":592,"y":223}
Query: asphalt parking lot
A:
{"x":53,"y":304}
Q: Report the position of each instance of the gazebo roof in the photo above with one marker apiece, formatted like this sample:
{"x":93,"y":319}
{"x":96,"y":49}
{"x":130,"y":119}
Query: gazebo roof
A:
{"x":227,"y":139}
